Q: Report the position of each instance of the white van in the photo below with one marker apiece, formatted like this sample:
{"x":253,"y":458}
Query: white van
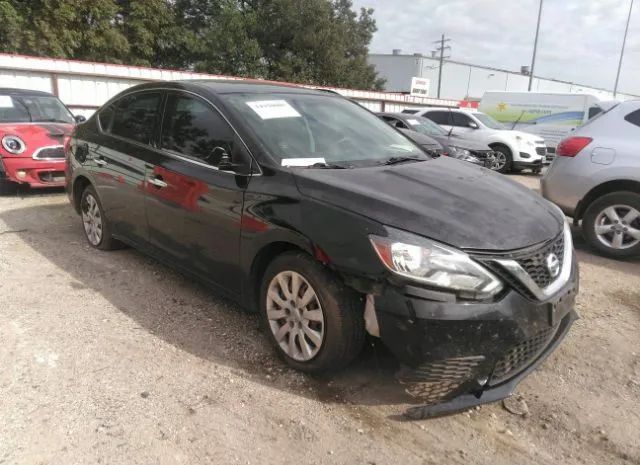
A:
{"x":549,"y":115}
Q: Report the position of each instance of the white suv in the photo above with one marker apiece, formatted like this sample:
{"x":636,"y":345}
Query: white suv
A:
{"x":515,"y":150}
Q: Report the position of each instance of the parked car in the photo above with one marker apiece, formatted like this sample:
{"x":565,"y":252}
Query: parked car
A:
{"x":596,"y":180}
{"x":515,"y":150}
{"x":550,"y":115}
{"x":309,"y":209}
{"x":453,"y":145}
{"x":33,"y":127}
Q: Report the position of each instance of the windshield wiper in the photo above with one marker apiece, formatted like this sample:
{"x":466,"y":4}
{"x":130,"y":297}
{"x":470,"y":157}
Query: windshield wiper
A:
{"x":396,"y":160}
{"x":329,"y":166}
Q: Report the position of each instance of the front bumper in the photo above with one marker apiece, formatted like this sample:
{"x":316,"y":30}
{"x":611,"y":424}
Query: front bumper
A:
{"x":457,"y":355}
{"x":36,"y":173}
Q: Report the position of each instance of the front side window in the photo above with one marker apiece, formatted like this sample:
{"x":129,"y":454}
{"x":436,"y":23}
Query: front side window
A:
{"x":135,"y":117}
{"x":438,"y":117}
{"x":33,"y":108}
{"x":488,"y":121}
{"x":193,"y":128}
{"x":305,"y":129}
{"x":461,"y":120}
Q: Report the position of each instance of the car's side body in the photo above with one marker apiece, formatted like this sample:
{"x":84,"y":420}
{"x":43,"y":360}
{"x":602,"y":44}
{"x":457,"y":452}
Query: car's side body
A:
{"x":610,"y":162}
{"x":526,"y":150}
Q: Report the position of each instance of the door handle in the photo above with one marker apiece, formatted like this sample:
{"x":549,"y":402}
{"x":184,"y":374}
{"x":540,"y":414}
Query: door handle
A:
{"x":100,"y":162}
{"x":157,"y":182}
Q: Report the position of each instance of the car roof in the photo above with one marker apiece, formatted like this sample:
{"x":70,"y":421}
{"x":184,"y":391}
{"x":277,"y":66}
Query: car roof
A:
{"x":229,"y":86}
{"x":13,"y":91}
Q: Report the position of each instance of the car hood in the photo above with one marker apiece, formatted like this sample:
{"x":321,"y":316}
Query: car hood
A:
{"x":462,"y":142}
{"x":447,"y":200}
{"x":37,"y":134}
{"x":522,"y":135}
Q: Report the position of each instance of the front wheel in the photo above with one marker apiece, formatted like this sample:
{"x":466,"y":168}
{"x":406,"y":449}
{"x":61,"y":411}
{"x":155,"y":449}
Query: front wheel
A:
{"x":314,"y":321}
{"x":503,"y":160}
{"x":611,"y":224}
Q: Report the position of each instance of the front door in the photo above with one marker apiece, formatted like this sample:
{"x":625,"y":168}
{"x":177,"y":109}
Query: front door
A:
{"x":193,"y":209}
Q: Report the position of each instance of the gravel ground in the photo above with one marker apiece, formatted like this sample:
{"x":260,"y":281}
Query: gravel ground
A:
{"x":110,"y":357}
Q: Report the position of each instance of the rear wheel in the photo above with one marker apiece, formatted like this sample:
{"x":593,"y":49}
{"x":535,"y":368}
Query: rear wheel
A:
{"x":94,"y":222}
{"x":314,"y":321}
{"x":611,"y":224}
{"x":503,"y":159}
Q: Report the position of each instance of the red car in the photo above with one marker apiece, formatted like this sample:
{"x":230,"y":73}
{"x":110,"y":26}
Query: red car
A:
{"x":34,"y":127}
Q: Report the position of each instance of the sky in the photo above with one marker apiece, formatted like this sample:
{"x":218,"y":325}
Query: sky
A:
{"x":580,"y":40}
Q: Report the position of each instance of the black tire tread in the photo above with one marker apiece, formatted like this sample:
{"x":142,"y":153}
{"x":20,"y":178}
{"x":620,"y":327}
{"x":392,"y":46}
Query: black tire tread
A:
{"x":343,"y":347}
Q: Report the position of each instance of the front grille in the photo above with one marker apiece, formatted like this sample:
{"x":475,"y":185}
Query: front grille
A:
{"x":520,"y":356}
{"x":436,"y":381}
{"x":535,"y":263}
{"x":541,"y":150}
{"x":52,"y":176}
{"x":50,"y":152}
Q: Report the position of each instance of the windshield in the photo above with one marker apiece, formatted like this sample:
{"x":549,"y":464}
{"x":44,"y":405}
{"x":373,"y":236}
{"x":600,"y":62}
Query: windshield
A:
{"x":425,"y":126}
{"x":33,"y":108}
{"x":306,"y":130}
{"x":488,"y":121}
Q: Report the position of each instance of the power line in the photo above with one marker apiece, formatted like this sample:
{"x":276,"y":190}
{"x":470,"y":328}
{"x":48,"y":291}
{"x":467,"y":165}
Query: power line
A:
{"x":535,"y":47}
{"x":624,"y":41}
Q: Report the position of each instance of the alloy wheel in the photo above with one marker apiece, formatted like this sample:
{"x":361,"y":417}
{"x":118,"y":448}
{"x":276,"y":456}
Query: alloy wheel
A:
{"x":295,"y":315}
{"x":92,"y":219}
{"x":499,"y":162}
{"x":618,"y":226}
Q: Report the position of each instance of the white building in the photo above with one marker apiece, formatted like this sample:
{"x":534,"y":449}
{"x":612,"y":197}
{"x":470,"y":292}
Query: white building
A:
{"x":464,"y":80}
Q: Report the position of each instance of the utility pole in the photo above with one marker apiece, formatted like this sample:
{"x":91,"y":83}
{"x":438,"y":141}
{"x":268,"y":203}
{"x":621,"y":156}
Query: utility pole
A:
{"x":441,"y":49}
{"x":624,"y":41}
{"x":535,"y":47}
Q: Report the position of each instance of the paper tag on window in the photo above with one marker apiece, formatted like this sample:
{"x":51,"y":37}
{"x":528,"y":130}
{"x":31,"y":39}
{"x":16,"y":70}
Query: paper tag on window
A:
{"x":270,"y":109}
{"x":413,"y":122}
{"x":5,"y":101}
{"x":301,"y":161}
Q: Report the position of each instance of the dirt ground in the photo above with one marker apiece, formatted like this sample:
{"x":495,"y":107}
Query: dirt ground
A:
{"x":112,"y":358}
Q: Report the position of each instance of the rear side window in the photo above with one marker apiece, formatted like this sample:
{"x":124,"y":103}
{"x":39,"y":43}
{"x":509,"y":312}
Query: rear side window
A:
{"x":634,"y":117}
{"x":135,"y":118}
{"x":438,"y":117}
{"x":193,"y":128}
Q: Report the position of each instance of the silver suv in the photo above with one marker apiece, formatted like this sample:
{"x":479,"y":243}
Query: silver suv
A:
{"x":595,"y":179}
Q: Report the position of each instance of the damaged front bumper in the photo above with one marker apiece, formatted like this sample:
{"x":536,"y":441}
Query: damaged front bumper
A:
{"x":457,"y":355}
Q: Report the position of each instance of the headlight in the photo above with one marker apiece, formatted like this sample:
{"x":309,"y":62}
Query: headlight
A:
{"x":459,"y":151}
{"x":435,"y":264}
{"x":13,"y":144}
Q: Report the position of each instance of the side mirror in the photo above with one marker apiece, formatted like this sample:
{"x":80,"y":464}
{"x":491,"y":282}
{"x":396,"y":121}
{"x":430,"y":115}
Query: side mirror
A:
{"x":225,"y":163}
{"x":80,"y":118}
{"x":473,"y":125}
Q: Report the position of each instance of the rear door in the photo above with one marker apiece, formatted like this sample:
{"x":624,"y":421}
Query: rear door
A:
{"x":193,"y":208}
{"x":117,"y":160}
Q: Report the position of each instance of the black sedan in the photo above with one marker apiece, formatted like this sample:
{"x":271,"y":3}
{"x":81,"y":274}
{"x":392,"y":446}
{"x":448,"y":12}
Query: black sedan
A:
{"x":453,"y":145}
{"x":305,"y":207}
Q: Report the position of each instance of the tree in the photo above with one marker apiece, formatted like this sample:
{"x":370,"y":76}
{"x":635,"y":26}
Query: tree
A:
{"x":320,"y":42}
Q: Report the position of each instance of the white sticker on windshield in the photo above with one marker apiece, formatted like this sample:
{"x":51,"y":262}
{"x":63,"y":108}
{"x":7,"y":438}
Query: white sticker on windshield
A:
{"x":5,"y":101}
{"x":301,"y":161}
{"x":270,"y":109}
{"x":413,"y":122}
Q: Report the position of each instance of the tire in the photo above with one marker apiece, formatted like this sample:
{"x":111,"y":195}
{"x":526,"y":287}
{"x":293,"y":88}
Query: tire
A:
{"x":536,"y":170}
{"x":340,"y":321}
{"x":102,"y":240}
{"x":602,"y":214}
{"x":504,"y":165}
